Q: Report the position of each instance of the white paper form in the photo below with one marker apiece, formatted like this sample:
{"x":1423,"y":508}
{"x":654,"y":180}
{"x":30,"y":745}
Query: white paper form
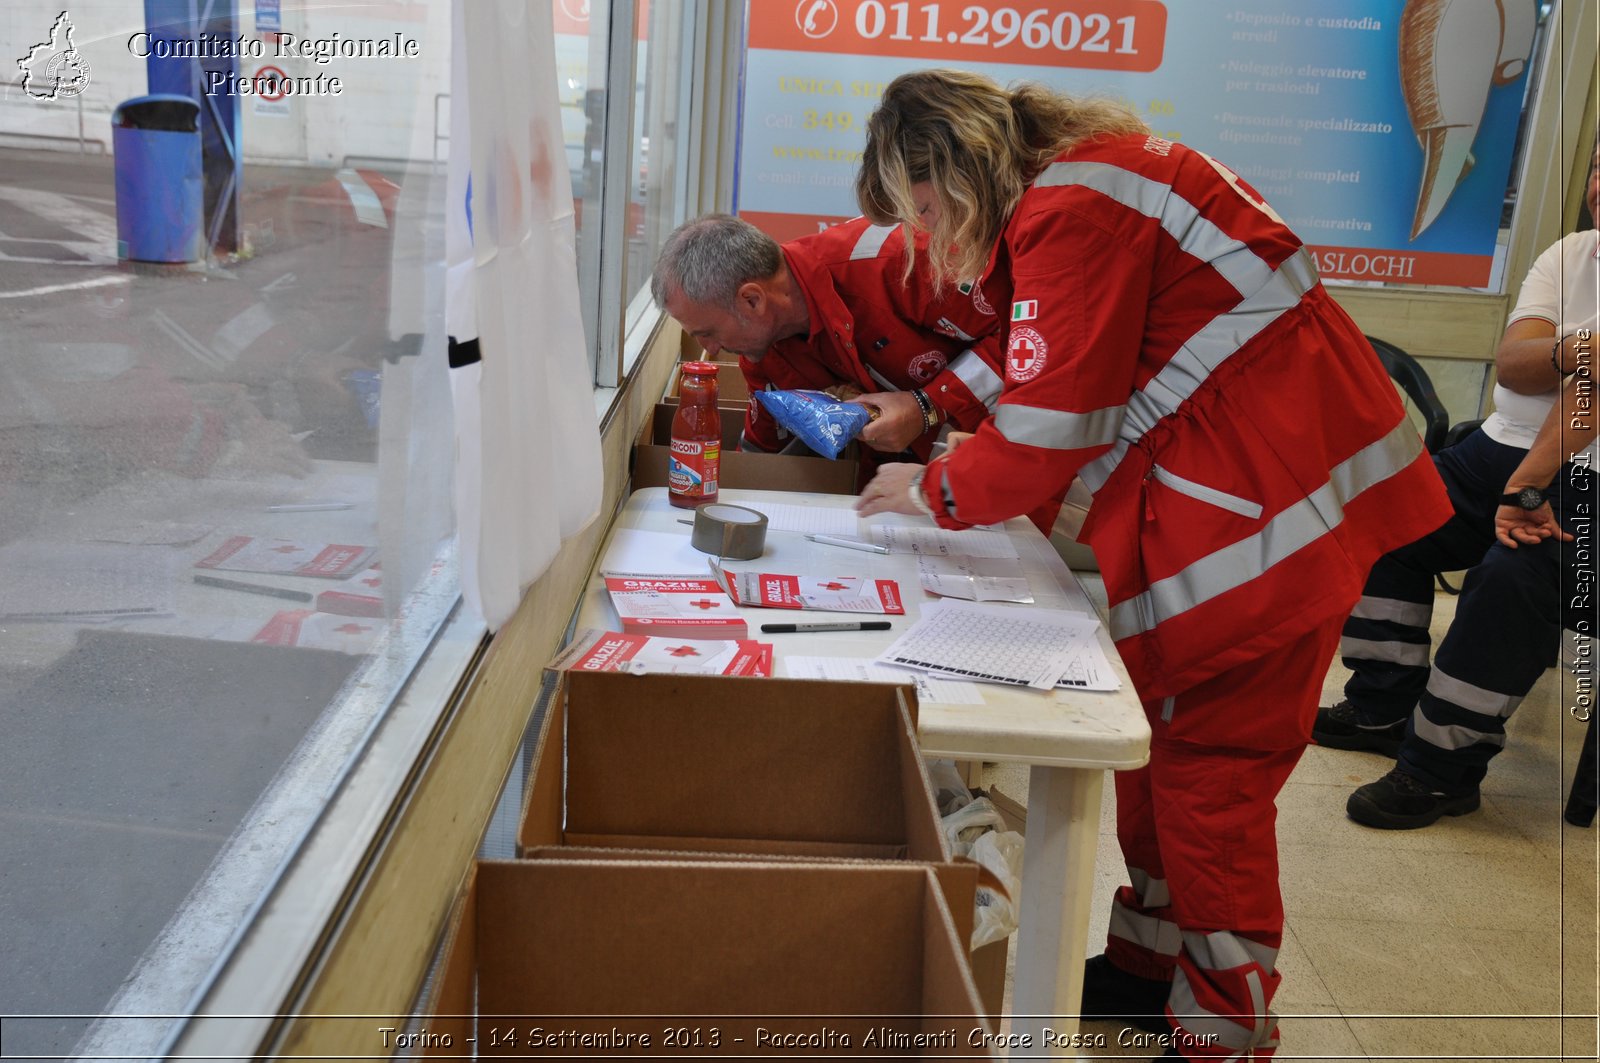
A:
{"x":992,"y":643}
{"x":1090,"y":669}
{"x":973,"y":542}
{"x":634,"y":552}
{"x":977,"y":579}
{"x":856,"y":670}
{"x":810,"y":520}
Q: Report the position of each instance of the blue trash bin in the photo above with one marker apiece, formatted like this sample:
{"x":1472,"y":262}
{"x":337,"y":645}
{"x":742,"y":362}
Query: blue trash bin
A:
{"x":160,"y":191}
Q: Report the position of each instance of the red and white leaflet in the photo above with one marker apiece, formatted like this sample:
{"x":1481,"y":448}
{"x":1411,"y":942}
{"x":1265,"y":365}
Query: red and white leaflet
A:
{"x":681,"y":606}
{"x":363,"y":598}
{"x":288,"y":557}
{"x":319,"y":631}
{"x":612,"y":651}
{"x":835,"y":594}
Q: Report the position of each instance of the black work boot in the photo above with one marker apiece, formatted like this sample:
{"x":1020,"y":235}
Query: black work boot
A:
{"x":1403,"y":802}
{"x":1342,"y":727}
{"x":1111,"y":994}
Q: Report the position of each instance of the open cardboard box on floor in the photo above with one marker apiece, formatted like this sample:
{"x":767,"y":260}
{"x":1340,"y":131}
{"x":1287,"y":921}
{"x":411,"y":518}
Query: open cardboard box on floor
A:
{"x":746,"y":469}
{"x":773,"y":768}
{"x":740,"y":958}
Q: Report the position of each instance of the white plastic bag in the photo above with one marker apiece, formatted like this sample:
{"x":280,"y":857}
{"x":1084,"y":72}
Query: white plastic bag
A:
{"x":966,"y":824}
{"x":1000,"y":851}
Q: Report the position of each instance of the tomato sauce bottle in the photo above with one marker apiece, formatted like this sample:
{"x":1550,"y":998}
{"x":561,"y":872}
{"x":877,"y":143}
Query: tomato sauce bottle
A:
{"x":696,"y":460}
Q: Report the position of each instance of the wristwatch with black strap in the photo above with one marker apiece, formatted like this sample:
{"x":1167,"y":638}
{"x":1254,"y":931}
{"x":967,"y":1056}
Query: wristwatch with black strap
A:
{"x":1529,"y":498}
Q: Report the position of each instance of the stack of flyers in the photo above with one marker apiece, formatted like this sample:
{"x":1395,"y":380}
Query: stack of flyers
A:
{"x":837,"y":594}
{"x":613,"y":651}
{"x":288,"y":557}
{"x":693,"y":607}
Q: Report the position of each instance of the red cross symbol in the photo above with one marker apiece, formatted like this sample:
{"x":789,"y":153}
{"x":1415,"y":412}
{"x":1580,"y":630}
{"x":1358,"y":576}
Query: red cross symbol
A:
{"x":1022,"y":353}
{"x":352,"y":629}
{"x":372,"y":581}
{"x":684,"y":651}
{"x":833,"y":586}
{"x":704,"y":603}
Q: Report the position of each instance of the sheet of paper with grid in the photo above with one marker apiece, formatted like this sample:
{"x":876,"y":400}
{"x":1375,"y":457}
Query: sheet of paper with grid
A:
{"x":854,"y":669}
{"x":993,"y":643}
{"x":973,"y":542}
{"x":811,"y":520}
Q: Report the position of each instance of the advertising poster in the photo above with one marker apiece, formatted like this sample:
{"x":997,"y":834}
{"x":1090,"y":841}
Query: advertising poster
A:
{"x":1382,"y":131}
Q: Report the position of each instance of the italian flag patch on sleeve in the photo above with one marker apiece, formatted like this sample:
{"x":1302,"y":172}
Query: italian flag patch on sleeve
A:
{"x":1025,"y":310}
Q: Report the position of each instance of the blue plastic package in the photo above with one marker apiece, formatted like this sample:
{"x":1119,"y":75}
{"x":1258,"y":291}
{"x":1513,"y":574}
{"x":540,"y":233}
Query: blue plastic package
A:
{"x":822,"y":422}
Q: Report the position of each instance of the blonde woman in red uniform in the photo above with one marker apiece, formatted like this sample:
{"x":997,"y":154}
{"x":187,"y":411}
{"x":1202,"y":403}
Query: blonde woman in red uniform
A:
{"x":1169,"y":342}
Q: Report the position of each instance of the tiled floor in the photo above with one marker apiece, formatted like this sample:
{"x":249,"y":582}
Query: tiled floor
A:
{"x":1469,"y":939}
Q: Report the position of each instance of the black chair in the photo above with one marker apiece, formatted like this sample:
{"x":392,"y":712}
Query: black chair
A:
{"x":1413,"y":381}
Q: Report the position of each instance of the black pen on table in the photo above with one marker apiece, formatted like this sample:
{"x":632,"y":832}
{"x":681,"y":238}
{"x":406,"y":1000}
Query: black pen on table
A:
{"x":835,"y":625}
{"x":252,"y":588}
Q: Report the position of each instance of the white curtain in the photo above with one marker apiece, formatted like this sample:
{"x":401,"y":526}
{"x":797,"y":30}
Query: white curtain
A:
{"x":528,"y":466}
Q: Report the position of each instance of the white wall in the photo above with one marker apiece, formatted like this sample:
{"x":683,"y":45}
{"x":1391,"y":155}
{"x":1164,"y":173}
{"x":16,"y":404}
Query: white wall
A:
{"x":385,"y":109}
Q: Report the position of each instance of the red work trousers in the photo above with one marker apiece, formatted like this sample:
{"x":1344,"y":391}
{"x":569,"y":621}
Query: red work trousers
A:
{"x":1197,"y":826}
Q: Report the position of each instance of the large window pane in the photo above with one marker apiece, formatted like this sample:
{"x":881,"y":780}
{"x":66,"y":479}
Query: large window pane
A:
{"x":225,"y":498}
{"x":657,"y":117}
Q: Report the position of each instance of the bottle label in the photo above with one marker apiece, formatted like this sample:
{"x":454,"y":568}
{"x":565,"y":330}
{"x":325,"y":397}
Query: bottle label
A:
{"x":693,"y":469}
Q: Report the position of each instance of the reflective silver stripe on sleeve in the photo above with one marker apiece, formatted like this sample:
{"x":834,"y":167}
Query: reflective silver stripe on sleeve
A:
{"x":1286,"y":533}
{"x":1095,"y":474}
{"x":1181,"y":220}
{"x":871,"y":241}
{"x":979,"y":377}
{"x":1058,"y":429}
{"x":1160,"y":936}
{"x":1472,"y":698}
{"x":1267,"y":294}
{"x":1412,"y":614}
{"x":1411,"y":653}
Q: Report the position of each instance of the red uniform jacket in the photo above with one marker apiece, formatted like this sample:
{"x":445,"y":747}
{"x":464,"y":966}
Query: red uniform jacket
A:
{"x":875,"y":329}
{"x":1169,"y":338}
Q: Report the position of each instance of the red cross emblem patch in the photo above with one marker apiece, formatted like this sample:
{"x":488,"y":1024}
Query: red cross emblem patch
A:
{"x":1025,"y":355}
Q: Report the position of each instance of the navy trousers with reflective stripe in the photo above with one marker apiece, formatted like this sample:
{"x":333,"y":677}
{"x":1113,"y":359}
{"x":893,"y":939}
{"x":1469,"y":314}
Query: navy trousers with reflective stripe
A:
{"x":1385,"y":641}
{"x":1506,"y":632}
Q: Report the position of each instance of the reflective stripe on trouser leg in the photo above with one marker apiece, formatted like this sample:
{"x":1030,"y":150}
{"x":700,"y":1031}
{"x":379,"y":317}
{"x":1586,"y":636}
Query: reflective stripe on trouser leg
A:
{"x":1216,"y":971}
{"x":1142,"y":939}
{"x":1385,"y":640}
{"x":1506,"y":631}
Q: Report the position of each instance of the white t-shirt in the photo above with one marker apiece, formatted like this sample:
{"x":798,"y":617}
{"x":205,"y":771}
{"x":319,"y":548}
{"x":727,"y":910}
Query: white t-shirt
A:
{"x":1563,"y":288}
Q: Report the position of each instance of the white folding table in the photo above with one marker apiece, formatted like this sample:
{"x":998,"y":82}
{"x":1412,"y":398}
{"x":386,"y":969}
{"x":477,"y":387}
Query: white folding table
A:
{"x":1069,"y":738}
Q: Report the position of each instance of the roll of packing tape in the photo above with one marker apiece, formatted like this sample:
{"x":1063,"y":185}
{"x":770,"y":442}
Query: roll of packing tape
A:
{"x":729,"y":531}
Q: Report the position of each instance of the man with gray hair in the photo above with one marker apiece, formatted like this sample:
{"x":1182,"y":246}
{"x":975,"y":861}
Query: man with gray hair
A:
{"x":835,"y":311}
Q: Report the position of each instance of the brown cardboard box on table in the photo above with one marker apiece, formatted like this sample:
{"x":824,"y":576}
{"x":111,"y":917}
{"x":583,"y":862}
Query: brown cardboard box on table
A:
{"x":705,"y":959}
{"x":701,"y":764}
{"x":741,"y":469}
{"x":775,"y":768}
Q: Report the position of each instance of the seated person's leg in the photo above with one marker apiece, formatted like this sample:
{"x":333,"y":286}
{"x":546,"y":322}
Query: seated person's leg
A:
{"x":1385,"y":642}
{"x":1507,"y":625}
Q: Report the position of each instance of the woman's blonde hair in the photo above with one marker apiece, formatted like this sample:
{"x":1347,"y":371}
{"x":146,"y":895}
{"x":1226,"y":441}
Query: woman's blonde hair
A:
{"x":979,"y":145}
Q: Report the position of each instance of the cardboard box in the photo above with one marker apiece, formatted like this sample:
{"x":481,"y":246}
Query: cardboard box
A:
{"x":741,"y":469}
{"x":565,"y":958}
{"x":700,"y":764}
